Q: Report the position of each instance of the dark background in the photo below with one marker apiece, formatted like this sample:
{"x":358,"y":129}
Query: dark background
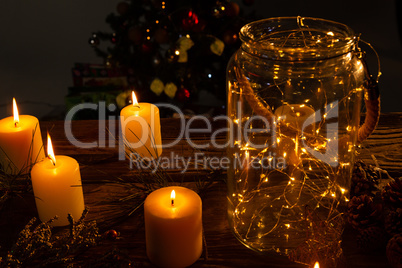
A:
{"x":41,"y":40}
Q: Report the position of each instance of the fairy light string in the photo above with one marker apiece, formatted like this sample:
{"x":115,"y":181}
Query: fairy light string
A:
{"x":306,"y":203}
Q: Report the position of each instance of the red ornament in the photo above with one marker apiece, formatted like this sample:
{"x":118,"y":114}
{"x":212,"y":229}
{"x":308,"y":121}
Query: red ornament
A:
{"x":190,"y":21}
{"x":183,"y":94}
{"x":111,"y":234}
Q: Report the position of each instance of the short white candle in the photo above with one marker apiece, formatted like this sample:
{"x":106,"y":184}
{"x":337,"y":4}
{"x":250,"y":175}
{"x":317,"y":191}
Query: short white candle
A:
{"x":173,"y":226}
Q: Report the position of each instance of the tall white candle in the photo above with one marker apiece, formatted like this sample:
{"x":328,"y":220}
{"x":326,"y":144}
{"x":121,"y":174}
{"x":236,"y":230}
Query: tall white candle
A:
{"x":56,"y":183}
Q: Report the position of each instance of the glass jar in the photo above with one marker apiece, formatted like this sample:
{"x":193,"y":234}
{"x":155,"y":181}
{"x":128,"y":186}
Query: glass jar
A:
{"x":294,"y":98}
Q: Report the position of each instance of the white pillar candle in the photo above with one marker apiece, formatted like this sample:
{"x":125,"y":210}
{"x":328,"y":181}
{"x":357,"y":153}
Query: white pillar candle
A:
{"x":173,"y":227}
{"x":20,"y":142}
{"x":56,"y":183}
{"x":141,"y":129}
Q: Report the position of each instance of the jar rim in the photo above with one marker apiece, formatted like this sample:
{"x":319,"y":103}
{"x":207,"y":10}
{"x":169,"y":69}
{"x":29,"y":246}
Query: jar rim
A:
{"x":297,"y":38}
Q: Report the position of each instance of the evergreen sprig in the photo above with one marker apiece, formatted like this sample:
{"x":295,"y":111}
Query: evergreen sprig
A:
{"x":38,"y":246}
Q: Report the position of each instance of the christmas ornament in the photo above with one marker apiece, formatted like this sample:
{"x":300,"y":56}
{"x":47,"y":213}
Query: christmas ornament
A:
{"x":157,"y":86}
{"x":121,"y":99}
{"x":217,"y":47}
{"x":183,"y":94}
{"x":111,"y":234}
{"x":174,"y":41}
{"x":184,"y":43}
{"x":170,"y":90}
{"x":394,"y":251}
{"x":363,"y":212}
{"x":189,"y":21}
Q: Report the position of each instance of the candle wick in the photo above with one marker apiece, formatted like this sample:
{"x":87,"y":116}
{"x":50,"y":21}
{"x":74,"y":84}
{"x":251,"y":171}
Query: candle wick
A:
{"x":16,"y":123}
{"x":137,"y":105}
{"x":172,"y":202}
{"x":51,"y":160}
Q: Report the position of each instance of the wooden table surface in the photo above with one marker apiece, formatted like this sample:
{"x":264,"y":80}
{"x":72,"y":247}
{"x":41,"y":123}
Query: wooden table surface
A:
{"x":384,"y":148}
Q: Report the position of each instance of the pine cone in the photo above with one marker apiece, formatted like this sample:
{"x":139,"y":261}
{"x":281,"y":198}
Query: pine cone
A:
{"x":363,"y":212}
{"x":392,"y":193}
{"x":393,"y":222}
{"x":363,"y":179}
{"x":394,"y":251}
{"x":372,"y":238}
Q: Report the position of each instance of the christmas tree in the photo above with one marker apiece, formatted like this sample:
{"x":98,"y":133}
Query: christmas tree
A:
{"x":173,"y":51}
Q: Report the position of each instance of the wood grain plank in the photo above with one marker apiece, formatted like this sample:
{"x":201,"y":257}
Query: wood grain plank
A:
{"x":102,"y":164}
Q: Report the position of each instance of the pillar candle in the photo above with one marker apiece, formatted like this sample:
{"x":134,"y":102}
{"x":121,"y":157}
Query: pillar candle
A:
{"x":141,"y":129}
{"x":20,"y":142}
{"x":56,"y":183}
{"x":173,"y":227}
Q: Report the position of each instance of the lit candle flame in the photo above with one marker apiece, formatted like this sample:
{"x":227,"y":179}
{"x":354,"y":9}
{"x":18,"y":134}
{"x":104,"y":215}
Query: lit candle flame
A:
{"x":50,"y":152}
{"x":134,"y":99}
{"x":172,"y":196}
{"x":16,"y":115}
{"x":316,"y":265}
